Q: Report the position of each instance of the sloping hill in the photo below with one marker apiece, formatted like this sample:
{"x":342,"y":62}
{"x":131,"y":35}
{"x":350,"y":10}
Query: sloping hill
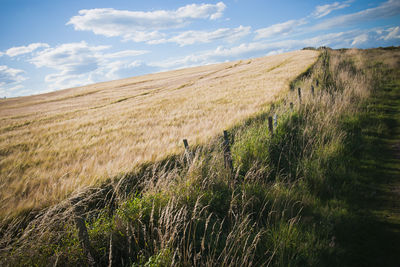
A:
{"x":55,"y":143}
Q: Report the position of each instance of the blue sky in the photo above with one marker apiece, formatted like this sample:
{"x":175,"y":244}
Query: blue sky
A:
{"x":48,"y":45}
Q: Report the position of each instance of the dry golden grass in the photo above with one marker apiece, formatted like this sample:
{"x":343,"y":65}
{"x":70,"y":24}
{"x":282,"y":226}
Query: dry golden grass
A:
{"x":55,"y":143}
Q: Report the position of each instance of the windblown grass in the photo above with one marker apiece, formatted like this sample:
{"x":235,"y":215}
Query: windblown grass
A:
{"x":288,"y":202}
{"x":57,"y":143}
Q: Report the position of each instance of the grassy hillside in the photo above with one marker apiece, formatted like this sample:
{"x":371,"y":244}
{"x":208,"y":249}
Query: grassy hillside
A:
{"x":57,"y":143}
{"x":321,"y":190}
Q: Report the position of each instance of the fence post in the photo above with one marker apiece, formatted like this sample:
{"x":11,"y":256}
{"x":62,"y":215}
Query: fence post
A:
{"x":270,"y":127}
{"x":227,"y":153}
{"x":110,"y":256}
{"x":82,"y":232}
{"x":312,"y":90}
{"x":299,"y":92}
{"x":187,"y":151}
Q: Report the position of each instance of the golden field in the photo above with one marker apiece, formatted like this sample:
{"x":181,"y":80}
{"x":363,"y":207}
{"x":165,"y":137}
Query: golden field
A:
{"x":53,"y":144}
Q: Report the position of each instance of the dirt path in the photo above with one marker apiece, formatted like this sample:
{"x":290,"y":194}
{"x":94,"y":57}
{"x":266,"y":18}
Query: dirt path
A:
{"x":389,"y":199}
{"x":370,"y":234}
{"x":382,"y":167}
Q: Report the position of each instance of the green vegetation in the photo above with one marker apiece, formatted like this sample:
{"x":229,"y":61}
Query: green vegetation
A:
{"x":316,"y":192}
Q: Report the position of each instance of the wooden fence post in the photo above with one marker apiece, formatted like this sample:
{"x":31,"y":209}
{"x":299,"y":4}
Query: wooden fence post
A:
{"x":187,"y":151}
{"x":82,"y":232}
{"x":227,"y":153}
{"x":299,"y":93}
{"x":312,"y":90}
{"x":110,"y":257}
{"x":270,"y":127}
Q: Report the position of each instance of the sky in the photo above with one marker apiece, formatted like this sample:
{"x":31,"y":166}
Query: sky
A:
{"x":48,"y":45}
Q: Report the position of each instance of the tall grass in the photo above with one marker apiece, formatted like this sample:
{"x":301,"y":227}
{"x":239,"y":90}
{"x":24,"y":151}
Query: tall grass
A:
{"x":279,"y":208}
{"x":54,"y":144}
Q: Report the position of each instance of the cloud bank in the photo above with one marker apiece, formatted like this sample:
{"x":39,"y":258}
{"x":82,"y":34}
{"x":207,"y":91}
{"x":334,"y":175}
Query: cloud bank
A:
{"x":385,"y":10}
{"x":324,"y":10}
{"x":139,"y":26}
{"x":10,"y":76}
{"x":20,"y":50}
{"x":79,"y":63}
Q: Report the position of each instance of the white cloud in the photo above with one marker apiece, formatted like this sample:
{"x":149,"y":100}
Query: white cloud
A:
{"x":126,"y":53}
{"x":16,"y":88}
{"x":9,"y":76}
{"x":115,"y":68}
{"x":392,"y":34}
{"x":71,"y":58}
{"x":143,"y":36}
{"x":184,"y":62}
{"x":142,"y":26}
{"x":220,"y":54}
{"x":78,"y":64}
{"x":360,"y":39}
{"x":63,"y":80}
{"x":290,"y":26}
{"x":280,"y":29}
{"x":334,"y":40}
{"x":20,"y":50}
{"x":192,"y":37}
{"x":385,"y":10}
{"x":10,"y":80}
{"x":203,"y":11}
{"x":322,"y":11}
